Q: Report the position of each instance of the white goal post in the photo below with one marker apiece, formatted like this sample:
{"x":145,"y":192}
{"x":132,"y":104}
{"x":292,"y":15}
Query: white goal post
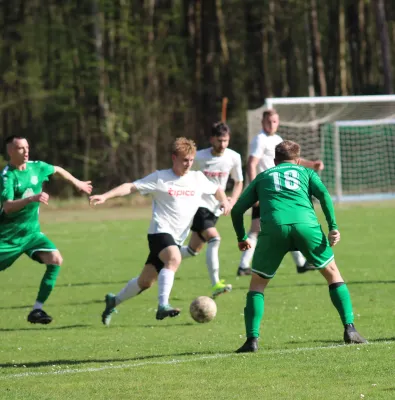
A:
{"x":353,"y":135}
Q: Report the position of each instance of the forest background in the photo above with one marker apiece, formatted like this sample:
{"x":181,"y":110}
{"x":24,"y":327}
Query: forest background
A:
{"x":102,"y":87}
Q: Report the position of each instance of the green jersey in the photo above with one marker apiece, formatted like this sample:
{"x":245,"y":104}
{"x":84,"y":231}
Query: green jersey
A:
{"x":285,"y":195}
{"x":18,"y":184}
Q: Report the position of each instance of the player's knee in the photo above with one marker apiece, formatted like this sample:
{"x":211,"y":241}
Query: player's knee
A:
{"x":214,"y":241}
{"x":58,"y":259}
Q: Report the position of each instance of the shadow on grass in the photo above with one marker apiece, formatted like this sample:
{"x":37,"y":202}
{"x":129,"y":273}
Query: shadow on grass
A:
{"x":80,"y":303}
{"x":51,"y":363}
{"x":42,"y":328}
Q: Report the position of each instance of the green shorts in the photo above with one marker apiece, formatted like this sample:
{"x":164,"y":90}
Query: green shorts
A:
{"x":277,"y":240}
{"x":10,"y":252}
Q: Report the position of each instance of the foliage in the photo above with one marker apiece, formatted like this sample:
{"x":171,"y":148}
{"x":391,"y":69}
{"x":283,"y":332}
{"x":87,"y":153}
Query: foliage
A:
{"x":102,"y":87}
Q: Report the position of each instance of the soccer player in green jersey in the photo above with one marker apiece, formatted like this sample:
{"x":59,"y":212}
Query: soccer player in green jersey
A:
{"x":289,"y":222}
{"x":20,"y":197}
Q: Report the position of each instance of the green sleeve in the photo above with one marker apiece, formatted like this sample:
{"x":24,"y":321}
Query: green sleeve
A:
{"x":247,"y":199}
{"x":6,"y":188}
{"x":46,"y":169}
{"x":319,"y":191}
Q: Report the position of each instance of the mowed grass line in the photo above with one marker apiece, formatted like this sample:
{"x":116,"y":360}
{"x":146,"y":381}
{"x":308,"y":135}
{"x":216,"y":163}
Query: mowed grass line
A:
{"x":299,"y":327}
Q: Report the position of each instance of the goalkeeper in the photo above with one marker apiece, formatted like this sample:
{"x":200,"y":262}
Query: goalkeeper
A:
{"x":288,"y":221}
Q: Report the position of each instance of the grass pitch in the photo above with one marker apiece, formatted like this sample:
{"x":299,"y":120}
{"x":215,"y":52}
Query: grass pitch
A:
{"x":301,"y":352}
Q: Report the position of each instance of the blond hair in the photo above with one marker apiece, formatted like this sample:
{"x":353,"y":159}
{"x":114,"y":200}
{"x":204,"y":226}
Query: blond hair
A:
{"x":183,"y":146}
{"x":286,"y":151}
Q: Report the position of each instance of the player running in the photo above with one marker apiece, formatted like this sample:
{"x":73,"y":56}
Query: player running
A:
{"x":177,"y":194}
{"x":21,"y":194}
{"x":261,"y":159}
{"x":288,"y":221}
{"x":217,"y":163}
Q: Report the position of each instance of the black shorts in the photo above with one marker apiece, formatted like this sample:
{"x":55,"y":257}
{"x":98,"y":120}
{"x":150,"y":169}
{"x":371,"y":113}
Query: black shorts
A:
{"x":157,"y":242}
{"x":256,"y":212}
{"x":203,"y":220}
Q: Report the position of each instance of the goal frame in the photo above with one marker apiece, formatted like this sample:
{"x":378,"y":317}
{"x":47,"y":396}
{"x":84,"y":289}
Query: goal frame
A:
{"x":271,"y":103}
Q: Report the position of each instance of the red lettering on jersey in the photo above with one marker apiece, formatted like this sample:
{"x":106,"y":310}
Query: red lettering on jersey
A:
{"x":215,"y":173}
{"x":181,"y":192}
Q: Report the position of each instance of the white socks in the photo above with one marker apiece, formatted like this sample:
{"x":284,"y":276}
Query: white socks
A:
{"x":38,"y":306}
{"x":212,"y":259}
{"x":247,"y":255}
{"x":298,"y":258}
{"x":186,"y":252}
{"x":130,"y":290}
{"x":165,"y":284}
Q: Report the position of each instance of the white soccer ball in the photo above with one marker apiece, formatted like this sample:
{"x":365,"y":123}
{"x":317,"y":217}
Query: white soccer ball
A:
{"x":203,"y":309}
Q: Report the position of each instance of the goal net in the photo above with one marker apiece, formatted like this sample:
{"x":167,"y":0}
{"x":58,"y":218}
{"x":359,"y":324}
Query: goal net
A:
{"x":353,"y":135}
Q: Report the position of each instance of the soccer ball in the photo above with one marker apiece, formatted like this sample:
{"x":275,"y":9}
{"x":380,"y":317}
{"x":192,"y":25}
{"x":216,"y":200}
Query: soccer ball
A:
{"x":203,"y":309}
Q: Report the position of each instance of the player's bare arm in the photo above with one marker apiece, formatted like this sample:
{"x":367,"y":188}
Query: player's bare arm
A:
{"x":236,"y":192}
{"x":122,"y":190}
{"x":220,"y":195}
{"x":11,"y":206}
{"x":315,"y":165}
{"x":252,"y":164}
{"x":83,"y":186}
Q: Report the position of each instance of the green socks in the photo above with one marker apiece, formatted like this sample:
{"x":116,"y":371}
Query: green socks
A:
{"x":341,"y":299}
{"x":253,"y":313}
{"x":48,"y":282}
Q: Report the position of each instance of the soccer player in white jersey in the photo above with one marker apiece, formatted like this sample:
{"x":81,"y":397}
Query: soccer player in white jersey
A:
{"x":217,"y":163}
{"x":261,"y":158}
{"x":176,"y":194}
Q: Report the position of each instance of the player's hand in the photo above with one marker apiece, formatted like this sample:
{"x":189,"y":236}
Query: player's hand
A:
{"x":225,"y":207}
{"x":231,"y":202}
{"x":256,"y":204}
{"x":97,"y":199}
{"x":318,"y":165}
{"x":334,"y":237}
{"x":84,"y":186}
{"x":41,"y":198}
{"x":244,"y":245}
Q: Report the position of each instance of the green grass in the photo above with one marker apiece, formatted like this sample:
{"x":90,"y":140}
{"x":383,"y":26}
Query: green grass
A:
{"x":301,"y":353}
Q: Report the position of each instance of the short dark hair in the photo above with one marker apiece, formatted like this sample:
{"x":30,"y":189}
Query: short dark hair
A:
{"x":11,"y":138}
{"x":287,"y":150}
{"x":220,"y":129}
{"x":269,"y":113}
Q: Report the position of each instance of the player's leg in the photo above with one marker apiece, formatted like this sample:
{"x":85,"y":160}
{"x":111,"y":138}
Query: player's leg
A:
{"x":42,"y":250}
{"x":170,"y":258}
{"x":134,"y":287}
{"x":301,"y":263}
{"x":213,"y":239}
{"x":197,"y":241}
{"x":314,"y":245}
{"x":341,"y":299}
{"x":246,"y":258}
{"x":269,"y":252}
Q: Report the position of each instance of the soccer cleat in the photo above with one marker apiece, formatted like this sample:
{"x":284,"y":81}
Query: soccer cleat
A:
{"x":167,"y":311}
{"x":250,"y":346}
{"x":110,"y":308}
{"x":352,"y":336}
{"x":306,"y":267}
{"x":39,"y":316}
{"x":244,"y":271}
{"x":220,"y":288}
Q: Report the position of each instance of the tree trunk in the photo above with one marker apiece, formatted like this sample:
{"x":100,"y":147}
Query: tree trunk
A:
{"x":316,"y":36}
{"x":382,"y":29}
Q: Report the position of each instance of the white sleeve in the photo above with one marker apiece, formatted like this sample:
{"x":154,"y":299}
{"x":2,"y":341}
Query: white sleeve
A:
{"x":237,"y":172}
{"x":206,"y":186}
{"x":147,"y":184}
{"x":257,"y":146}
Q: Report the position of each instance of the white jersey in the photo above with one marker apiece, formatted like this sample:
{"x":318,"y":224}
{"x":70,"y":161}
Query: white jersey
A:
{"x":217,"y":169}
{"x":263,"y":147}
{"x":175,"y":200}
